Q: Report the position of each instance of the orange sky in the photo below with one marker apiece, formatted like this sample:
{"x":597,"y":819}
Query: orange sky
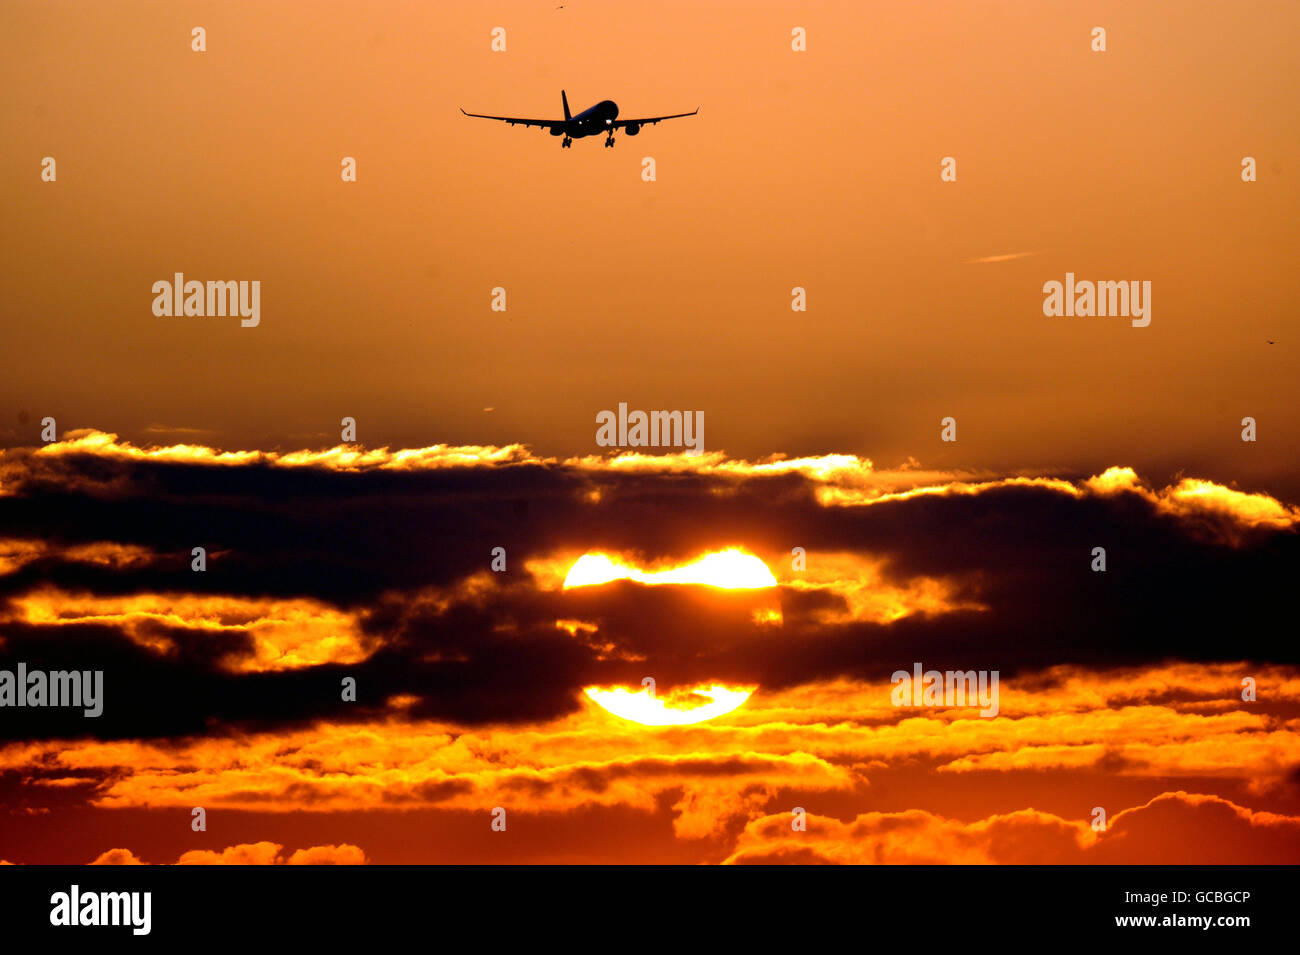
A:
{"x":817,"y":169}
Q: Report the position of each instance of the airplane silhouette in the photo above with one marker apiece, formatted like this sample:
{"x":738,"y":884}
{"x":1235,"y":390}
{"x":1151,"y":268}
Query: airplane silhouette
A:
{"x":601,"y":118}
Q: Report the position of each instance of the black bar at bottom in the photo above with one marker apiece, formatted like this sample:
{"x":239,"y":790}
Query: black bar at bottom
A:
{"x":661,"y":905}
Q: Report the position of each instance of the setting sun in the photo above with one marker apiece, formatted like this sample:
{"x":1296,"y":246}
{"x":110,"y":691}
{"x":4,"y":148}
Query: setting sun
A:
{"x":731,"y":569}
{"x":679,"y":708}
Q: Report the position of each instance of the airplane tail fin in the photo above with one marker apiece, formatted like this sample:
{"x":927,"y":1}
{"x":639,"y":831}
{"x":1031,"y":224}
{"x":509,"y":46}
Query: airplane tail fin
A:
{"x":565,"y":100}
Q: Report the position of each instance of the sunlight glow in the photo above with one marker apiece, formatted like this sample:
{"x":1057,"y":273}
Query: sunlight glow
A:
{"x":731,"y":569}
{"x":677,"y":708}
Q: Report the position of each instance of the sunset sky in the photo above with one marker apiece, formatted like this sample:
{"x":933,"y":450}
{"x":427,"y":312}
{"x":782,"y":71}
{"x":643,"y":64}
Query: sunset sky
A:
{"x":854,"y":541}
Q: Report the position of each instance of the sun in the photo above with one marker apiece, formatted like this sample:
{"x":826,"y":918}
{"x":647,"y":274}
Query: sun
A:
{"x":681,"y":707}
{"x":731,"y":569}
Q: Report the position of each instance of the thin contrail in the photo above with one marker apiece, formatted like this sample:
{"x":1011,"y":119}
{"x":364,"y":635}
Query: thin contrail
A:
{"x":1000,"y":258}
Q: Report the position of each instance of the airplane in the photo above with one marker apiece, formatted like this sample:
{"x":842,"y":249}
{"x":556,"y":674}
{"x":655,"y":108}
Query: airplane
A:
{"x":601,"y":118}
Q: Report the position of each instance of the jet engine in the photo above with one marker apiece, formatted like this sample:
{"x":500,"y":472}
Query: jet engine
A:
{"x":632,"y":130}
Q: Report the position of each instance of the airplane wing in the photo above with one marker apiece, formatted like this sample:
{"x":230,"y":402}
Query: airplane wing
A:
{"x":551,"y":124}
{"x":621,"y":123}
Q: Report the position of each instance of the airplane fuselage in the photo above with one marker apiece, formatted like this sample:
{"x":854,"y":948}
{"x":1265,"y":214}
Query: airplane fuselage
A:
{"x":594,"y":121}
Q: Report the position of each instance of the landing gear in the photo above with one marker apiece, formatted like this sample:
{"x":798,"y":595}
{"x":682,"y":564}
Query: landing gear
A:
{"x":609,"y":143}
{"x":566,"y":143}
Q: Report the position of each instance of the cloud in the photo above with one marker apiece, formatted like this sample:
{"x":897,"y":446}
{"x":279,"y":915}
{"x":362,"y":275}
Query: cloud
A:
{"x":256,"y":853}
{"x":375,"y":565}
{"x":118,"y":857}
{"x":911,"y":837}
{"x":1184,"y":721}
{"x":342,"y":457}
{"x":1182,"y":828}
{"x":329,"y":855}
{"x":256,"y":635}
{"x":1176,"y":828}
